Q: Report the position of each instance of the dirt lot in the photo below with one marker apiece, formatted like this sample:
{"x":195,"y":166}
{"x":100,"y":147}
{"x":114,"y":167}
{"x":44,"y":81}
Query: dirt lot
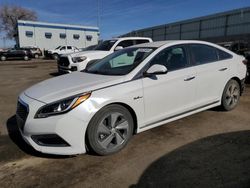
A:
{"x":209,"y":149}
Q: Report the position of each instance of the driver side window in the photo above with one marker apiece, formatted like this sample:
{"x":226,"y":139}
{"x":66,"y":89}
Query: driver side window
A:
{"x":173,"y":58}
{"x":126,"y":43}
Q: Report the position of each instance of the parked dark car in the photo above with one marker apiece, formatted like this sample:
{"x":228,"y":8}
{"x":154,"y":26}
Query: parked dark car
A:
{"x":238,"y":47}
{"x":36,"y":52}
{"x":15,"y":54}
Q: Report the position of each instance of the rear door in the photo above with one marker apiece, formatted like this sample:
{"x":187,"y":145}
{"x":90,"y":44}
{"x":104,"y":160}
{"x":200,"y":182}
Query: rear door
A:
{"x":212,"y":73}
{"x":171,"y":94}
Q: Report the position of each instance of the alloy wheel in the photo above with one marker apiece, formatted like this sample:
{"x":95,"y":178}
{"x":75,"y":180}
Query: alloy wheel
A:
{"x":112,"y":130}
{"x":232,"y":95}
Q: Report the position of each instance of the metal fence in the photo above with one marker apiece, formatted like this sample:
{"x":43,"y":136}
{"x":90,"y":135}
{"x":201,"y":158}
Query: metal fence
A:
{"x":222,"y":27}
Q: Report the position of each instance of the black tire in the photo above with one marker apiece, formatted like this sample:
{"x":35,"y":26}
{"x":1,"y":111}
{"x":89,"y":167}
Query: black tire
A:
{"x":55,"y":56}
{"x":231,"y":95}
{"x":105,"y":139}
{"x":3,"y":58}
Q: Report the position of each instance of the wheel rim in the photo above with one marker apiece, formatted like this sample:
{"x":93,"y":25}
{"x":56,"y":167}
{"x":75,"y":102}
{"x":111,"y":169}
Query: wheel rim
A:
{"x":232,"y":95}
{"x":112,"y":130}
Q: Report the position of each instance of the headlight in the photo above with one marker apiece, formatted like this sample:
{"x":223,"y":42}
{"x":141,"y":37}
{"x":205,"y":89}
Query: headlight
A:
{"x":79,"y":59}
{"x":62,"y":106}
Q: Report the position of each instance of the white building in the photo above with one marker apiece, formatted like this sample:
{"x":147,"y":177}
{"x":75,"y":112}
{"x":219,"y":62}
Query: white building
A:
{"x":50,"y":35}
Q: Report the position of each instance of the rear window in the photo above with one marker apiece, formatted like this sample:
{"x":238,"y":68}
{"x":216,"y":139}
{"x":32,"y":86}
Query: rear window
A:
{"x":224,"y":55}
{"x":141,"y":41}
{"x":204,"y":54}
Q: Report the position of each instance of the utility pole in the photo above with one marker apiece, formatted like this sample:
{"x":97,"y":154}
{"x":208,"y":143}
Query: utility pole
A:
{"x":98,"y":14}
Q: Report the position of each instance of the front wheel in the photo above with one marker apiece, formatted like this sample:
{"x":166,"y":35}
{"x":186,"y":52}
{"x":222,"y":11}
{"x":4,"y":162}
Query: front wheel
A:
{"x":231,"y":95}
{"x":110,"y":130}
{"x":55,"y":56}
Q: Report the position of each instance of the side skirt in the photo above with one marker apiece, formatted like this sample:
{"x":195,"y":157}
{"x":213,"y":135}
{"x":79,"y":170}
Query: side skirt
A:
{"x":178,"y":116}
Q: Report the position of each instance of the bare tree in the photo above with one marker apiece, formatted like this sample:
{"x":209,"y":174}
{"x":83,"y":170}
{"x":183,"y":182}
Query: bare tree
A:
{"x":8,"y":18}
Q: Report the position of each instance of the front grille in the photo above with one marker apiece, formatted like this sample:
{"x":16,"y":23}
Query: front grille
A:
{"x":63,"y":61}
{"x":21,"y":113}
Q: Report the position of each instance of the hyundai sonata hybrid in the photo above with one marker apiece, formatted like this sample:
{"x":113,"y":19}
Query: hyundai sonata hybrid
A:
{"x":127,"y":92}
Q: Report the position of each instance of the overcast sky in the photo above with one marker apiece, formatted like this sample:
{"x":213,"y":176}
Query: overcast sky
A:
{"x":121,"y":16}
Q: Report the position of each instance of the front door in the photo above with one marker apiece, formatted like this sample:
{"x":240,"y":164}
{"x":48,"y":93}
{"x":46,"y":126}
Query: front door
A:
{"x":171,"y":94}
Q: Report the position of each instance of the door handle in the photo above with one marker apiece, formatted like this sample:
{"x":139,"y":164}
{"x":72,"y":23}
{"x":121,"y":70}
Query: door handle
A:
{"x":189,"y":78}
{"x":223,"y":69}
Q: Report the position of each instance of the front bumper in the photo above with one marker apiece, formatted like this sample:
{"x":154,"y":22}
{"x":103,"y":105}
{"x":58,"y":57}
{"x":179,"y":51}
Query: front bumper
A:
{"x":68,"y":127}
{"x":62,"y":69}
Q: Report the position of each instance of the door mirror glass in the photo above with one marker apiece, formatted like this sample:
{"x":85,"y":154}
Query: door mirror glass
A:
{"x":118,"y":48}
{"x":156,"y":69}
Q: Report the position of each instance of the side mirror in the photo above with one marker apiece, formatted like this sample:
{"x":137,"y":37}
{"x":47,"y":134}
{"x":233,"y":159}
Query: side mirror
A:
{"x":156,"y":70}
{"x":118,"y":48}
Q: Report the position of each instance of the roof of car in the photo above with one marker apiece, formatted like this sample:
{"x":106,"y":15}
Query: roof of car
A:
{"x":131,"y":38}
{"x":161,"y":43}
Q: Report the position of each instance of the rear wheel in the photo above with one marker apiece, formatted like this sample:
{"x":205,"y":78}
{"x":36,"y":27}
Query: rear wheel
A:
{"x":3,"y":58}
{"x":231,"y":95}
{"x":110,"y":130}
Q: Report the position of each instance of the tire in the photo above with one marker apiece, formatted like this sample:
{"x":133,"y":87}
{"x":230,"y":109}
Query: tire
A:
{"x":231,"y":95}
{"x":36,"y":56}
{"x":109,"y":130}
{"x":3,"y":58}
{"x":26,"y":58}
{"x":55,"y":56}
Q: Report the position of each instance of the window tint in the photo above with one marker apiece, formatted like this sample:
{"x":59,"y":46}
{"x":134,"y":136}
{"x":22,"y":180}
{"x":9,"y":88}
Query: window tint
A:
{"x":69,"y":47}
{"x":89,"y":37}
{"x":204,"y":53}
{"x":126,"y":43}
{"x":224,"y":55}
{"x":48,"y":35}
{"x":62,"y":35}
{"x":120,"y":62}
{"x":173,"y":58}
{"x":76,"y":36}
{"x":106,"y":45}
{"x":29,"y":33}
{"x":141,"y":41}
{"x":63,"y":48}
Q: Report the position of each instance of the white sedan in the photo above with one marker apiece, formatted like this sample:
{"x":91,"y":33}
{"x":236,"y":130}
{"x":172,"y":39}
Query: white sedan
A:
{"x":127,"y":92}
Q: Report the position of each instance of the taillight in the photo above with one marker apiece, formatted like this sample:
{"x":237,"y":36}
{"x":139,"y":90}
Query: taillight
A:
{"x":245,"y":62}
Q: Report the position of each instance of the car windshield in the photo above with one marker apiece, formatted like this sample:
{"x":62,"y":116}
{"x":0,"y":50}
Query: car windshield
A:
{"x":105,"y":45}
{"x":58,"y":47}
{"x":121,"y":62}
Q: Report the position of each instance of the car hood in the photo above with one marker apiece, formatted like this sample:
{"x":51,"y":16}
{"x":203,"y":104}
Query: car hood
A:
{"x":96,"y":53}
{"x":70,"y":84}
